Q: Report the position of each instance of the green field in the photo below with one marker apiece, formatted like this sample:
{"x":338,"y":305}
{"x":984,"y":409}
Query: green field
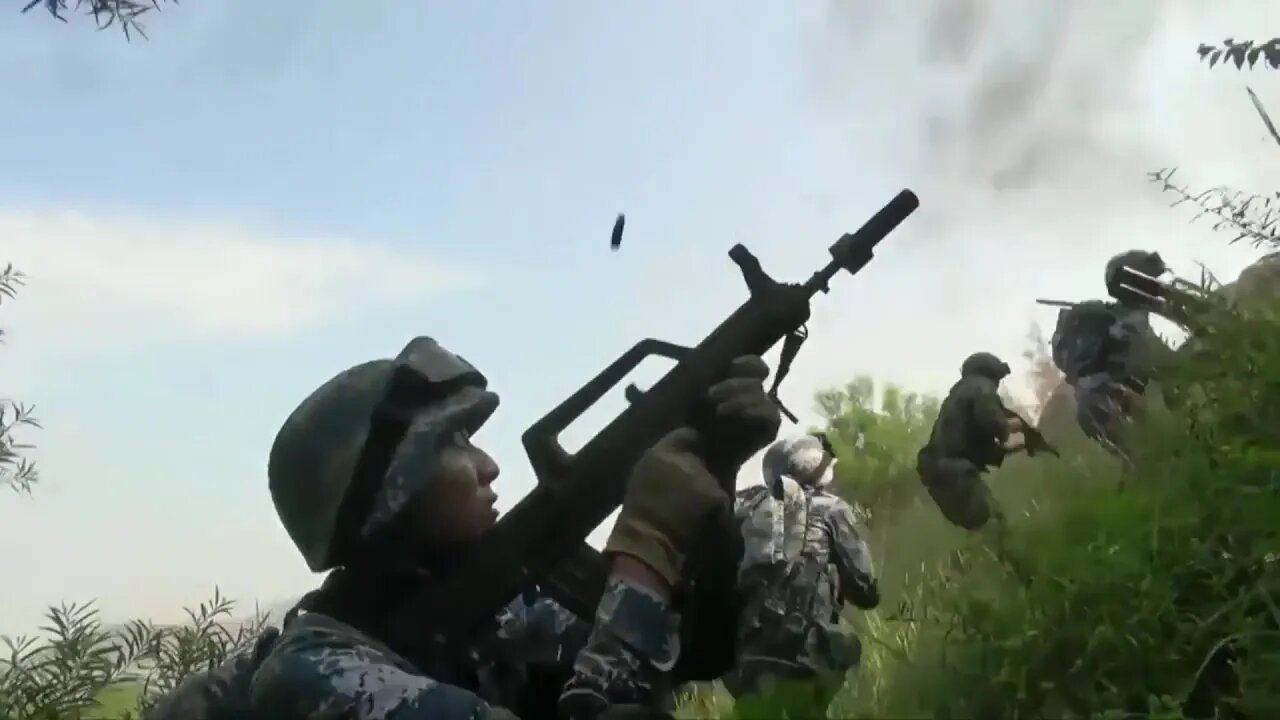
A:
{"x":115,"y":703}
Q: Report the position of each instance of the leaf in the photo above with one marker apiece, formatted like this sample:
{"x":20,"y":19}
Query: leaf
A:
{"x":1213,"y":59}
{"x":1262,"y":112}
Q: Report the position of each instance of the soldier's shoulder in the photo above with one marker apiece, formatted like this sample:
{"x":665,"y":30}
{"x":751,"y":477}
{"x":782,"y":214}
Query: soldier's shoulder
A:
{"x":321,"y":665}
{"x":973,"y":386}
{"x":825,"y":497}
{"x":313,"y":633}
{"x":831,"y":504}
{"x":217,"y":693}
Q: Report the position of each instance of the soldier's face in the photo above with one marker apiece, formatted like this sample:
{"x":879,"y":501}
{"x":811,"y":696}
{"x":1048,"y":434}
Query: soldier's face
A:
{"x":458,"y":505}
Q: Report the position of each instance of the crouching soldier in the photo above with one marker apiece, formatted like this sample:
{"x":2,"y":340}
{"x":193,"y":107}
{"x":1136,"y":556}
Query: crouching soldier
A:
{"x":972,"y":434}
{"x":375,"y":478}
{"x":803,"y":559}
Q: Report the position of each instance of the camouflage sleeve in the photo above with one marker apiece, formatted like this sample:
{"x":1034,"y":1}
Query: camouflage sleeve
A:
{"x":745,"y":500}
{"x":1129,"y":327}
{"x":629,"y":655}
{"x":988,"y":411}
{"x":541,"y":629}
{"x":309,"y":677}
{"x":852,"y":558}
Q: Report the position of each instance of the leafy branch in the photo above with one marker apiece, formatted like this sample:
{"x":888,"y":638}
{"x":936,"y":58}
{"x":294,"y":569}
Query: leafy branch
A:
{"x":65,"y":674}
{"x":106,"y":13}
{"x":206,"y":641}
{"x":1249,"y":216}
{"x":1242,"y":52}
{"x":16,"y":471}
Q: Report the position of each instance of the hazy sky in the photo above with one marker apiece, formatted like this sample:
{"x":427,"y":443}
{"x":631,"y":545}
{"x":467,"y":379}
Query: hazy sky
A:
{"x":219,"y":219}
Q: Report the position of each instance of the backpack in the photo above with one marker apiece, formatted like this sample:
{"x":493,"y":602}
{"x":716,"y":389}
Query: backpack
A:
{"x":1081,"y":341}
{"x":772,"y":523}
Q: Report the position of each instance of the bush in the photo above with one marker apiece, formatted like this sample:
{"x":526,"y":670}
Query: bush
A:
{"x":80,"y":670}
{"x":1151,"y":591}
{"x":875,"y":433}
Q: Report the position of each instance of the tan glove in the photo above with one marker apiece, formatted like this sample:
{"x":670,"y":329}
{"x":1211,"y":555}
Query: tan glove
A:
{"x":672,"y":494}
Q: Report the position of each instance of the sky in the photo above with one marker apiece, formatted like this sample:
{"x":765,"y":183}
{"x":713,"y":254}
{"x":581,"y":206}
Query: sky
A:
{"x":219,"y":219}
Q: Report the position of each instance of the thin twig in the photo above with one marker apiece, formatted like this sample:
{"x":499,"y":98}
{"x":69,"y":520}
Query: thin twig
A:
{"x":1262,"y":112}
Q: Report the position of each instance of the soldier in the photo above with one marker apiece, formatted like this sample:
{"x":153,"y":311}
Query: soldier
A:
{"x":803,"y":559}
{"x":374,"y":477}
{"x":1107,"y":351}
{"x":972,"y":434}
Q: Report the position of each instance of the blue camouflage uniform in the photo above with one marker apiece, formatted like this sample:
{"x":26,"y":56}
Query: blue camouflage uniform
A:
{"x":804,"y":559}
{"x":1105,"y":351}
{"x":321,"y":668}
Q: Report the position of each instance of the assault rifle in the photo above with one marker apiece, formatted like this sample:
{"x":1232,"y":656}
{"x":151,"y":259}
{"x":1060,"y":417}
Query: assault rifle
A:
{"x":1032,"y":438}
{"x":1178,"y":300}
{"x":542,"y":540}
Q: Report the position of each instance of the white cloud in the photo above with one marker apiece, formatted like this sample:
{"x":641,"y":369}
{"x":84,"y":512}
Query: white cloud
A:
{"x":139,"y":287}
{"x":106,"y":280}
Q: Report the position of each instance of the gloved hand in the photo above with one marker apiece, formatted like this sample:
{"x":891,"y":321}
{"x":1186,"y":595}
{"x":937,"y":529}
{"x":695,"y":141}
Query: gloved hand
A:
{"x":746,"y":418}
{"x":672,"y":493}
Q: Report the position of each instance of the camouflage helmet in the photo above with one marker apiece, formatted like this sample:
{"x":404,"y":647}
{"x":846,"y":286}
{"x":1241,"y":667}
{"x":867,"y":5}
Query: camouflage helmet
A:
{"x":808,"y":459}
{"x":348,"y":459}
{"x":824,"y":441}
{"x":984,"y":364}
{"x":1147,"y":263}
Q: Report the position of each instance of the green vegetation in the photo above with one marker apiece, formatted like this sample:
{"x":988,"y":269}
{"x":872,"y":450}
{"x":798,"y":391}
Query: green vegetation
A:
{"x":80,"y":670}
{"x":1152,"y":592}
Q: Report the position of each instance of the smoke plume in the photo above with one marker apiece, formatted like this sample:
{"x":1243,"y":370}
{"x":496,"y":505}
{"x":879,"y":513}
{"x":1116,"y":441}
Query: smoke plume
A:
{"x":1028,"y":130}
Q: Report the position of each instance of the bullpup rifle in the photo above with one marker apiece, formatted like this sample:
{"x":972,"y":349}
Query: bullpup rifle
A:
{"x":1176,"y":299}
{"x":542,"y":540}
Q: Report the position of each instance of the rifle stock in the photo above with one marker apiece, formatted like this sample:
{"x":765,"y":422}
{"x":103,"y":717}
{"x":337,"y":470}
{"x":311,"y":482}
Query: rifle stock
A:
{"x":542,"y":540}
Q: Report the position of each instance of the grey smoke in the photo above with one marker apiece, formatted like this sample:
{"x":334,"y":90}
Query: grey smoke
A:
{"x":1001,"y":92}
